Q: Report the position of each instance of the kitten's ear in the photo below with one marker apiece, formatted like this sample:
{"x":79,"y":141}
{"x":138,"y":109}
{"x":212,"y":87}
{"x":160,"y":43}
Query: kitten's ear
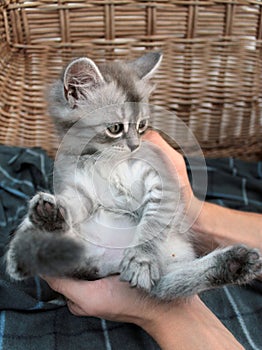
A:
{"x":146,"y":65}
{"x":80,"y":76}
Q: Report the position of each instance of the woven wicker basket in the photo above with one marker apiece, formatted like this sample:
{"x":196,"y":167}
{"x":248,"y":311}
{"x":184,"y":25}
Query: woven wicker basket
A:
{"x":210,"y":76}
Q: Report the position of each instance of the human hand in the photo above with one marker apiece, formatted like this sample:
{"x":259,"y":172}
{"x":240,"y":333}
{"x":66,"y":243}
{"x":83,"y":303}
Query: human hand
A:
{"x":193,"y":206}
{"x":175,"y":157}
{"x":107,"y":298}
{"x":175,"y":325}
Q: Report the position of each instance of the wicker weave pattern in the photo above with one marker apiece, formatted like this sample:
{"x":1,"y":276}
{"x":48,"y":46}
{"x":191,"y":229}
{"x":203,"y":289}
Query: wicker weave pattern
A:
{"x":210,"y":76}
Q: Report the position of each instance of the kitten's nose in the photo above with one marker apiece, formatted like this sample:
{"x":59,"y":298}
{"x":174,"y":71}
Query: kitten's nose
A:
{"x":133,"y":147}
{"x":132,"y":140}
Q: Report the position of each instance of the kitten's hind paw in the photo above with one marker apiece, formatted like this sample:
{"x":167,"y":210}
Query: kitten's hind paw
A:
{"x":139,"y":270}
{"x":48,"y":214}
{"x":239,"y":264}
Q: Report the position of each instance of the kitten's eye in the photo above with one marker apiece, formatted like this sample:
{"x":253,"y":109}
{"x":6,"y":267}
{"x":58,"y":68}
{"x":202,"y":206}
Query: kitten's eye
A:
{"x":115,"y":130}
{"x":142,"y":125}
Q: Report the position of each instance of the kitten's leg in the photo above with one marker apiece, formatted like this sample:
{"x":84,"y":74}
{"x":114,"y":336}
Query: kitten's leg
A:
{"x":141,"y":266}
{"x":161,"y":210}
{"x":142,"y":262}
{"x":34,"y":252}
{"x":233,"y":265}
{"x":45,"y":242}
{"x":59,"y":213}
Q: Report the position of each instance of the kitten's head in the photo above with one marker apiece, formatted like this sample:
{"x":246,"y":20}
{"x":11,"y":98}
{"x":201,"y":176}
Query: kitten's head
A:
{"x":104,"y":106}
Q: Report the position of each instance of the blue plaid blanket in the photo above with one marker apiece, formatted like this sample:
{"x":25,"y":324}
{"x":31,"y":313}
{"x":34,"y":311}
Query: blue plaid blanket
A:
{"x":28,"y":320}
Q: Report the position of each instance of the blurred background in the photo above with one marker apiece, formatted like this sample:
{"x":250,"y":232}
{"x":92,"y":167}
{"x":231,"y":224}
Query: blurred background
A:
{"x":210,"y":76}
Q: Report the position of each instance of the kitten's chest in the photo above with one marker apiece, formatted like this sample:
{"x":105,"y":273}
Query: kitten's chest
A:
{"x":123,"y":185}
{"x":106,"y":235}
{"x":109,"y":228}
{"x":118,"y":201}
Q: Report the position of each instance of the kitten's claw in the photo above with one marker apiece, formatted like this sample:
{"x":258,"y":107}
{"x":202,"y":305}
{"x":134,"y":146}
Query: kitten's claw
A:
{"x":239,"y":264}
{"x":45,"y":212}
{"x":139,"y":270}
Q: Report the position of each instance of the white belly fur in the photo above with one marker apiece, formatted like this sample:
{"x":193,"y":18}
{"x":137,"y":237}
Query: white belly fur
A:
{"x":107,"y":235}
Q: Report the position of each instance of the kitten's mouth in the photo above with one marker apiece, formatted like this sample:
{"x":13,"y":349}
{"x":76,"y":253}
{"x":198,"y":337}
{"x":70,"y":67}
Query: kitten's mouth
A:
{"x":119,"y":149}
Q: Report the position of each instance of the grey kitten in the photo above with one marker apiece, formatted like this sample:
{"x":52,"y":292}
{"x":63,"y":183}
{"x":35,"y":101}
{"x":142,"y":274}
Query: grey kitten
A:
{"x":117,"y":208}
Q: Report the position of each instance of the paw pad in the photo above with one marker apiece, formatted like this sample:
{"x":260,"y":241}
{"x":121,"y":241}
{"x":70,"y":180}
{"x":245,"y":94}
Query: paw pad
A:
{"x":46,"y":213}
{"x":239,"y":264}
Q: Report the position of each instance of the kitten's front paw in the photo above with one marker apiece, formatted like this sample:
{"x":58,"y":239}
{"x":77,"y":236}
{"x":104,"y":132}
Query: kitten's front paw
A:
{"x":139,"y":270}
{"x":239,"y":264}
{"x":45,"y":212}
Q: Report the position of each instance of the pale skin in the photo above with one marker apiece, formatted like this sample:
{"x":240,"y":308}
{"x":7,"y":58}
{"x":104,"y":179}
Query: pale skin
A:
{"x":185,"y":325}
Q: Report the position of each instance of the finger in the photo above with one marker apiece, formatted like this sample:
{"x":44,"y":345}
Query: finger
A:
{"x":76,"y":290}
{"x":69,"y":287}
{"x":57,"y":284}
{"x":75,"y":309}
{"x":177,"y":160}
{"x":155,"y":138}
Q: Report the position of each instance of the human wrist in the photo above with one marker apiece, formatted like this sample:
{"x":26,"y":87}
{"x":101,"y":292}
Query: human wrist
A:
{"x":158,"y":323}
{"x":189,"y":325}
{"x":165,"y":316}
{"x":217,"y":225}
{"x":201,"y":224}
{"x":194,"y":213}
{"x":151,"y":314}
{"x":212,"y":227}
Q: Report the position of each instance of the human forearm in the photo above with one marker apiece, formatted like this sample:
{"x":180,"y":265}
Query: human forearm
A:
{"x":191,"y":325}
{"x":183,"y":325}
{"x":217,"y":225}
